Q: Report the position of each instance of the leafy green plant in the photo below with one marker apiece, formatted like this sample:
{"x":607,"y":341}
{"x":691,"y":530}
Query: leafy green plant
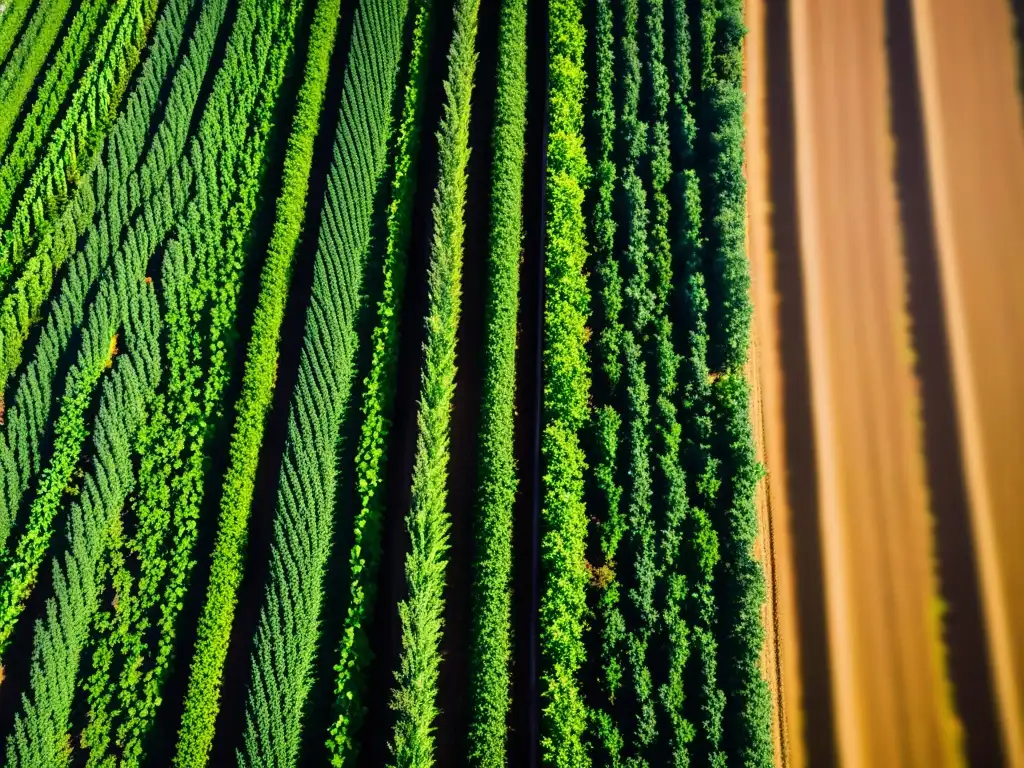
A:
{"x":377,"y":401}
{"x":40,"y":735}
{"x":258,"y":380}
{"x":566,"y":396}
{"x":428,"y":522}
{"x":286,"y":638}
{"x":492,"y":584}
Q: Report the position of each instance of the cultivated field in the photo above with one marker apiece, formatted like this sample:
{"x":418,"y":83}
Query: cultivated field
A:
{"x":885,"y":149}
{"x":374,"y":386}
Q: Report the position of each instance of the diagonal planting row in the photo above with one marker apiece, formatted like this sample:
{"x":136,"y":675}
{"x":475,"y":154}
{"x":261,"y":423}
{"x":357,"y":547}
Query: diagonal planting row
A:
{"x":11,"y":22}
{"x":29,"y":56}
{"x":286,"y":639}
{"x":213,"y":634}
{"x":113,"y":230}
{"x":201,"y":269}
{"x":198,"y":285}
{"x":34,"y":195}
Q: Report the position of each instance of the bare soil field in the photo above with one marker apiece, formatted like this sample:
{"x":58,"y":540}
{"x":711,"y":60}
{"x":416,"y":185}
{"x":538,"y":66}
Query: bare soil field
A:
{"x":975,"y":142}
{"x":885,"y":163}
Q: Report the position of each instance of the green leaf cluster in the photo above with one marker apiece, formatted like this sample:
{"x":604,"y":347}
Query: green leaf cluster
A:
{"x":428,"y":522}
{"x":491,"y":651}
{"x":566,"y":396}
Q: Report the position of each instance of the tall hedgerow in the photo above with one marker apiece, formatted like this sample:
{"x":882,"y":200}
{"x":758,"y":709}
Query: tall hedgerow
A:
{"x":671,"y":640}
{"x":638,"y":570}
{"x":748,"y":711}
{"x":428,"y":522}
{"x":722,"y":105}
{"x":728,"y":581}
{"x":491,"y":651}
{"x":690,"y":598}
{"x":566,"y":396}
{"x":739,"y":577}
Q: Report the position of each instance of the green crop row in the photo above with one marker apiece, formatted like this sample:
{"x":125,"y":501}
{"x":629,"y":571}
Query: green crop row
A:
{"x":46,"y":162}
{"x":30,"y":55}
{"x":676,"y":729}
{"x":721,"y":109}
{"x":213,"y":634}
{"x":53,"y":89}
{"x":491,"y":654}
{"x":286,"y":638}
{"x":61,"y":176}
{"x":11,"y":23}
{"x":127,"y":206}
{"x":739,"y":577}
{"x":40,"y":736}
{"x":566,"y":407}
{"x":607,"y":508}
{"x":748,"y":713}
{"x":428,"y":522}
{"x":20,"y":566}
{"x":637,"y":564}
{"x":377,"y":402}
{"x":199,"y":285}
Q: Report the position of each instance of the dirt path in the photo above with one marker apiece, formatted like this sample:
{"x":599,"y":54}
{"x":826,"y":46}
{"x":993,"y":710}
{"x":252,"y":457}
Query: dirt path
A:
{"x":890,"y":696}
{"x":975,"y":147}
{"x":773,"y":547}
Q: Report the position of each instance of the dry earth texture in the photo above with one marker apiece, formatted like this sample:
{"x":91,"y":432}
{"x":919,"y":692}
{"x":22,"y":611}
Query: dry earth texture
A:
{"x":885,"y":158}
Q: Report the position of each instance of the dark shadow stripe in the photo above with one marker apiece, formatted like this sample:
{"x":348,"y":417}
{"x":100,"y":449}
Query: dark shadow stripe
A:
{"x":801,"y":458}
{"x":963,"y":627}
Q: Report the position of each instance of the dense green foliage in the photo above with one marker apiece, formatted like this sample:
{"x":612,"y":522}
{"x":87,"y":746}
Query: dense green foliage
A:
{"x":428,"y":522}
{"x":113,"y":189}
{"x":566,"y":370}
{"x":748,"y":714}
{"x":10,"y":25}
{"x":377,"y":402}
{"x":68,"y":152}
{"x":156,"y":164}
{"x":491,"y":651}
{"x":672,"y":505}
{"x":44,"y":165}
{"x":26,"y":423}
{"x":258,"y":382}
{"x":21,"y":566}
{"x":606,"y":501}
{"x":40,"y":737}
{"x":29,"y":56}
{"x":637,"y":562}
{"x":51,"y":92}
{"x":200,"y":271}
{"x":721,"y":117}
{"x":289,"y":621}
